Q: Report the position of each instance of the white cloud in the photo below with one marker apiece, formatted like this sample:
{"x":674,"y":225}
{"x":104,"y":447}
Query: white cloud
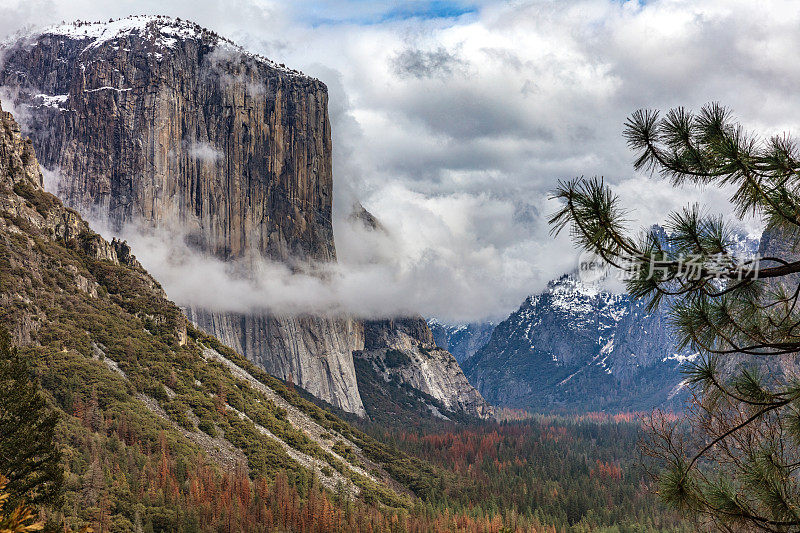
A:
{"x":381,"y":285}
{"x":453,"y":131}
{"x":205,"y":152}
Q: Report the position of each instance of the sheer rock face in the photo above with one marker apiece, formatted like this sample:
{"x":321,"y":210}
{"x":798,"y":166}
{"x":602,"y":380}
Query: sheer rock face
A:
{"x":308,"y":350}
{"x":404,"y":350}
{"x":153,"y":119}
{"x":159,"y":119}
{"x":17,"y":157}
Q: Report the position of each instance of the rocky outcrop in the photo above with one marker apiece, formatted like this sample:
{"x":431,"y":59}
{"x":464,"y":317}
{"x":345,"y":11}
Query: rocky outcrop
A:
{"x":18,"y":162}
{"x":20,"y":174}
{"x":159,"y":120}
{"x":368,"y":221}
{"x":404,"y":351}
{"x":155,"y":119}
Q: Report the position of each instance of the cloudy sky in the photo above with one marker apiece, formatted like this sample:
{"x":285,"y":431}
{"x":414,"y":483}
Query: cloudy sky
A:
{"x":452,"y":121}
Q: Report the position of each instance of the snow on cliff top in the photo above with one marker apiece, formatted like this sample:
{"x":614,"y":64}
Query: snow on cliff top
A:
{"x":102,"y":32}
{"x":164,"y":31}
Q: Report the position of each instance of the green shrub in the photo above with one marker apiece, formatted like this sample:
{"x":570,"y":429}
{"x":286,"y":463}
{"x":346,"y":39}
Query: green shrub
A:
{"x":207,"y":427}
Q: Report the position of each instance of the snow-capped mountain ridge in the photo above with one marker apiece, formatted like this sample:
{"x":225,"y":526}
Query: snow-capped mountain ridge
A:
{"x":578,"y":346}
{"x":167,"y":30}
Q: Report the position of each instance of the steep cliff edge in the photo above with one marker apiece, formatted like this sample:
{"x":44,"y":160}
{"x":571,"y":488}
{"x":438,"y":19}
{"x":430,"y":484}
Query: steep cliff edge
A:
{"x":158,"y":118}
{"x":155,"y":119}
{"x":312,"y":351}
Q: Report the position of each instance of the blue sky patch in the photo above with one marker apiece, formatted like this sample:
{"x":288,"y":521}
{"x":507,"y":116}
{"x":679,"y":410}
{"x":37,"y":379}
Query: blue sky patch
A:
{"x":369,"y":12}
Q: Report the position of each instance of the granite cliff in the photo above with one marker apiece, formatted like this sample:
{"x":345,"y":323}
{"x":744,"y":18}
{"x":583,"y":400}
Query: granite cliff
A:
{"x":155,"y":119}
{"x":158,"y":118}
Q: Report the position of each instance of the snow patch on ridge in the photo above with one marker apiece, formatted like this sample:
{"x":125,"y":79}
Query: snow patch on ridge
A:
{"x":675,"y":390}
{"x":164,"y":32}
{"x":105,"y":88}
{"x":166,"y":29}
{"x":608,"y":347}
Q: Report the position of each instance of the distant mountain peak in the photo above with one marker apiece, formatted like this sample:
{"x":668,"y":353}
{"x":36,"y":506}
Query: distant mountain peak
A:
{"x":359,"y":214}
{"x":577,"y":346}
{"x":461,"y":339}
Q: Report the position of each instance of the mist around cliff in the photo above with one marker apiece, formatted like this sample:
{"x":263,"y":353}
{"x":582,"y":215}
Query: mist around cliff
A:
{"x":379,"y":275}
{"x":459,"y":259}
{"x":398,"y":268}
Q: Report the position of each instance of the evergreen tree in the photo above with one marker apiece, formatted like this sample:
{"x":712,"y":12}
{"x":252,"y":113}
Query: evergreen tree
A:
{"x":739,"y":461}
{"x":29,"y":455}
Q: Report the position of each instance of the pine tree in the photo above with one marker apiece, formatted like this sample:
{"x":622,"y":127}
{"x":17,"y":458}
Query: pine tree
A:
{"x":29,"y":455}
{"x":735,"y":460}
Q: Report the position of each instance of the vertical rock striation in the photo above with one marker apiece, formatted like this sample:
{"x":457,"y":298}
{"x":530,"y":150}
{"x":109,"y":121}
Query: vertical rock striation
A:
{"x":312,"y":351}
{"x":155,"y":119}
